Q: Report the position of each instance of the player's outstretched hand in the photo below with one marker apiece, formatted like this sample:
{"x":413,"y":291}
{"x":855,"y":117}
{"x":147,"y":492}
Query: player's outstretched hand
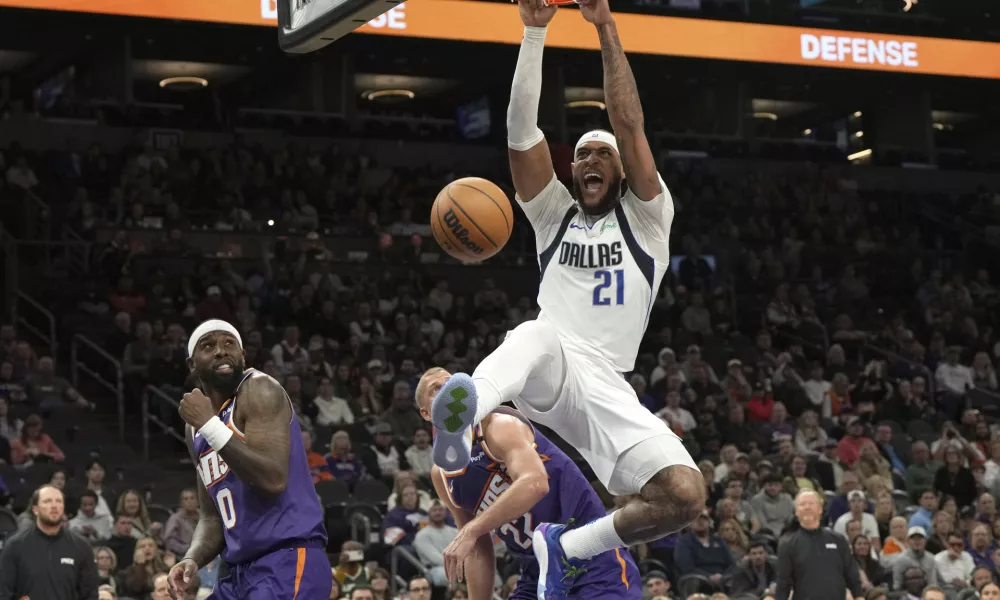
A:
{"x":196,"y":409}
{"x":597,"y":12}
{"x":534,"y":13}
{"x":180,"y":576}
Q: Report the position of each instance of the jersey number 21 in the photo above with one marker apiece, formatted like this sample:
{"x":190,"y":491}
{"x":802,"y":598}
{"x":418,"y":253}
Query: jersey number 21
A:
{"x":609,"y":279}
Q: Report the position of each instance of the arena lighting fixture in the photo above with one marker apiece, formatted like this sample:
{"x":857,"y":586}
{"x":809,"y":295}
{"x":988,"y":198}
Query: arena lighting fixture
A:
{"x":807,"y":132}
{"x":586,"y":104}
{"x":765,"y":115}
{"x":184,"y":82}
{"x":859,"y":155}
{"x":859,"y":134}
{"x":857,"y":115}
{"x":397,"y":93}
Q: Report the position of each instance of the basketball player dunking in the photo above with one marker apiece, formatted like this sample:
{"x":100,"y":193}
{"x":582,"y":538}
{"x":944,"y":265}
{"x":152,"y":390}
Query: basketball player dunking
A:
{"x":518,"y":478}
{"x":602,"y":254}
{"x":258,"y":504}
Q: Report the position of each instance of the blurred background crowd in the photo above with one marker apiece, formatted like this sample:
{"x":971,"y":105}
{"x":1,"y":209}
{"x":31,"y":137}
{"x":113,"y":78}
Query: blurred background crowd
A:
{"x":826,"y":324}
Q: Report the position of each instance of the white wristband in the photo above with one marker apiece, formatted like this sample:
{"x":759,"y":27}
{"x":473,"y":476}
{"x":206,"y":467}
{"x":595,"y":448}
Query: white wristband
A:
{"x":216,"y":433}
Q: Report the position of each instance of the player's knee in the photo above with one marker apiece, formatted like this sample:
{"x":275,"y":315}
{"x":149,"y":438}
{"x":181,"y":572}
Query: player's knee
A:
{"x":541,"y":335}
{"x":679,"y":493}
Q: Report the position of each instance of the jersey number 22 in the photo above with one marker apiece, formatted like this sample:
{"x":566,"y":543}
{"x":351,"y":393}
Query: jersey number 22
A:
{"x":604,"y":282}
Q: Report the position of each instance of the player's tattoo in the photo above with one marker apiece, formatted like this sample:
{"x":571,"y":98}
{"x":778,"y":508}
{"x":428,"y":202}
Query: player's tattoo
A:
{"x":621,"y":95}
{"x":208,"y":538}
{"x":261,"y":460}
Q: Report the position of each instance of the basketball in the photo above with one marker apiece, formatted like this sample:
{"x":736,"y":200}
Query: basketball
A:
{"x":471,"y":219}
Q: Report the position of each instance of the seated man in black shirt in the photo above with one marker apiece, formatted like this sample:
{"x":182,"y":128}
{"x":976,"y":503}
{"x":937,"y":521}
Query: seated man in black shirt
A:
{"x":755,"y":574}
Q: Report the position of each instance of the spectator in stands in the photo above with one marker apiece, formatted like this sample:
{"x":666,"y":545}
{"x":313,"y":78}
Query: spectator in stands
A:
{"x":849,"y":447}
{"x":34,"y":445}
{"x":736,"y":539}
{"x":923,"y":517}
{"x":741,"y":509}
{"x":431,"y":541}
{"x":895,"y":542}
{"x":179,"y":529}
{"x":49,"y":391}
{"x":953,"y":380}
{"x":858,"y":504}
{"x":773,"y":507}
{"x":419,"y":588}
{"x":943,"y":525}
{"x":954,"y":564}
{"x":401,"y":524}
{"x":830,"y":472}
{"x":331,"y":410}
{"x":405,"y":479}
{"x":810,"y":438}
{"x":727,"y":457}
{"x":131,"y":503}
{"x":914,"y":556}
{"x":385,"y":457}
{"x":756,"y":574}
{"x":95,"y":481}
{"x":11,"y":387}
{"x":380,"y":584}
{"x":981,"y":545}
{"x":342,"y":463}
{"x":920,"y":473}
{"x":871,"y":463}
{"x":955,"y":479}
{"x":871,"y":572}
{"x":288,"y":350}
{"x":317,"y":462}
{"x":798,"y":478}
{"x":89,"y":523}
{"x":678,"y":418}
{"x":701,"y":552}
{"x":419,"y":456}
{"x":107,"y":565}
{"x":840,"y":504}
{"x":137,"y":578}
{"x":10,"y":425}
{"x":361,"y":593}
{"x":402,"y":413}
{"x":351,"y":571}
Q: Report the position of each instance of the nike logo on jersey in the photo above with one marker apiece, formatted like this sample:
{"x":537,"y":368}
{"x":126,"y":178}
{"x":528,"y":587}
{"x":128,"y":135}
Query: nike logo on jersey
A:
{"x":590,"y":256}
{"x":575,"y":226}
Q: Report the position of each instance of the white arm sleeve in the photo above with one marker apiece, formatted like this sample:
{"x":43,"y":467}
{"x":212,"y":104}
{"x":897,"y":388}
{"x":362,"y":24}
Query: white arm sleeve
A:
{"x":522,"y":112}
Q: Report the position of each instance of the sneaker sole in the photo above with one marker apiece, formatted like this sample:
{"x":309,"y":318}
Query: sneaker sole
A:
{"x":453,"y":412}
{"x":541,"y":550}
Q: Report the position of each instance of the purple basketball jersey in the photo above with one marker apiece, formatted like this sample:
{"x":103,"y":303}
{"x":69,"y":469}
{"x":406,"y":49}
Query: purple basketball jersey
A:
{"x":485,"y":479}
{"x":256,"y":524}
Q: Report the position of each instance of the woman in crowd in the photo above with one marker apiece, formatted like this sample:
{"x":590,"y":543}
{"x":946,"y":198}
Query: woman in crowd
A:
{"x":810,"y":439}
{"x":799,"y":479}
{"x":34,"y":445}
{"x":732,"y":533}
{"x":955,"y":479}
{"x":343,"y":463}
{"x":990,"y":591}
{"x":894,"y":544}
{"x":871,"y":463}
{"x":131,"y":503}
{"x":402,"y":523}
{"x":137,"y":578}
{"x":872,"y":573}
{"x":380,"y":584}
{"x":402,"y":480}
{"x":107,"y":564}
{"x":708,"y":475}
{"x":885,"y":512}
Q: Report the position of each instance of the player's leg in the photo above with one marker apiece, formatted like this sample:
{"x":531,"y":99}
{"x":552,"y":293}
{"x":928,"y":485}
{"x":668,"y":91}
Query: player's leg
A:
{"x":611,"y":576}
{"x":225,"y":587}
{"x":530,"y":356}
{"x":289,"y":574}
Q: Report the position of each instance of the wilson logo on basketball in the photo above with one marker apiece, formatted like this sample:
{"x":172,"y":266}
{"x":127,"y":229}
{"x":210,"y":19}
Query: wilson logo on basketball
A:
{"x":461,"y":233}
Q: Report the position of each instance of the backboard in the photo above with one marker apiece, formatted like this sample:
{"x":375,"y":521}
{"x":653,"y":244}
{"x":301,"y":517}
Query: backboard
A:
{"x":308,"y":25}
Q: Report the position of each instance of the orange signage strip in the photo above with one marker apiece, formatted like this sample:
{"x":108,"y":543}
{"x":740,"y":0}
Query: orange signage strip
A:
{"x":464,"y":20}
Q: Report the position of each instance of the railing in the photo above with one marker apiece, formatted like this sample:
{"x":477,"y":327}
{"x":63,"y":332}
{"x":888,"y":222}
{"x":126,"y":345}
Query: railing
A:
{"x":892,"y":356}
{"x":79,"y":261}
{"x":397,"y":582}
{"x":148,"y":394}
{"x":43,"y":332}
{"x":117,"y":383}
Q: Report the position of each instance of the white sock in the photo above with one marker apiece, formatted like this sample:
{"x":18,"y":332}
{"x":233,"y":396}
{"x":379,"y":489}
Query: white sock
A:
{"x":591,"y":539}
{"x":489,"y":399}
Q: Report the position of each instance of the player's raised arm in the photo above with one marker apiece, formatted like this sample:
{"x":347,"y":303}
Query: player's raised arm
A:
{"x":208,"y":538}
{"x":261,"y":457}
{"x":621,"y":96}
{"x":530,"y":161}
{"x":480,"y":563}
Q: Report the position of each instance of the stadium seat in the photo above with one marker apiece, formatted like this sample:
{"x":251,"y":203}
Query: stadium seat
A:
{"x":902,"y":500}
{"x":651,"y":564}
{"x":693,"y":583}
{"x":158,"y":513}
{"x":8,"y":523}
{"x":333,"y":493}
{"x":372,"y":492}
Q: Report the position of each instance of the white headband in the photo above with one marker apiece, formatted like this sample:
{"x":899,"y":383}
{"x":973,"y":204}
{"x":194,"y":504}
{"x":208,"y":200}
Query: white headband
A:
{"x":597,"y":135}
{"x":211,"y":326}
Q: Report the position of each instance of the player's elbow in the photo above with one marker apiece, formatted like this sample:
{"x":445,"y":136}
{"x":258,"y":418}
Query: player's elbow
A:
{"x":539,"y":485}
{"x":275,"y":486}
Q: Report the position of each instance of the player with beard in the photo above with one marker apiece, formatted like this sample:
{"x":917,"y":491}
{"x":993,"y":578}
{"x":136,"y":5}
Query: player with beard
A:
{"x":259,"y":508}
{"x":602,"y":251}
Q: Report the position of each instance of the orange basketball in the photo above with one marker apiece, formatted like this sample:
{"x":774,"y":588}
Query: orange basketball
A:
{"x":472,"y":219}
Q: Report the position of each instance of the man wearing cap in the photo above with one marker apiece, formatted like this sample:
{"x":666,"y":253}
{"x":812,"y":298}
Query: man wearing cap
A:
{"x":915,"y":556}
{"x":656,"y":583}
{"x":858,"y":504}
{"x":259,"y":508}
{"x":849,"y":448}
{"x":702,"y":552}
{"x":815,"y":563}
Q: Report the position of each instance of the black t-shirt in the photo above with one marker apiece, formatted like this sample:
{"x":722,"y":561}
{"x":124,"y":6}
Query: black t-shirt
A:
{"x":816,"y":564}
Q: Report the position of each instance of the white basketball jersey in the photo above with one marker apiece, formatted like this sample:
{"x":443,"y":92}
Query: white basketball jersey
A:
{"x":598,"y":280}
